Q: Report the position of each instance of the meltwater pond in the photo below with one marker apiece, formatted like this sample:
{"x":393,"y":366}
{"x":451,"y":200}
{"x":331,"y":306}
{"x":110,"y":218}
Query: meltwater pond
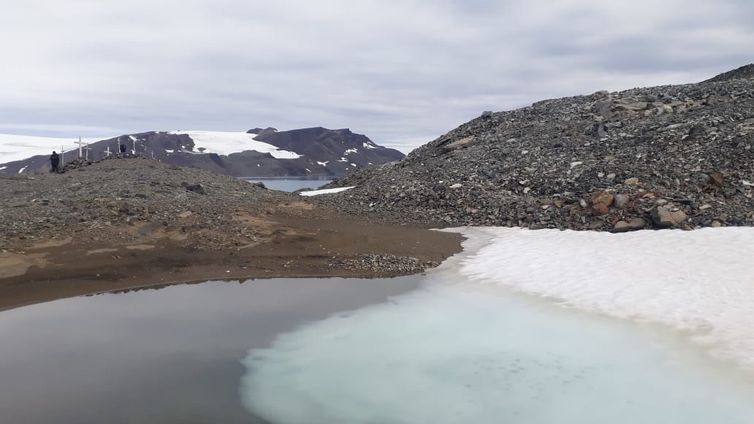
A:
{"x":440,"y":348}
{"x":157,"y":356}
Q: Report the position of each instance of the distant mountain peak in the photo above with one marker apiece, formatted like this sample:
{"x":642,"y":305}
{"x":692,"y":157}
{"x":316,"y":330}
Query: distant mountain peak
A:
{"x":260,"y":131}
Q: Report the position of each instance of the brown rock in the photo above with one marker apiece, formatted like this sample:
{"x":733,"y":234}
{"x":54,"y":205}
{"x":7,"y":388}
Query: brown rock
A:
{"x":716,"y":179}
{"x":601,"y":202}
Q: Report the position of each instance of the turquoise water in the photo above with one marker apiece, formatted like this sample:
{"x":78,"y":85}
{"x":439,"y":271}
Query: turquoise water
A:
{"x":458,"y":355}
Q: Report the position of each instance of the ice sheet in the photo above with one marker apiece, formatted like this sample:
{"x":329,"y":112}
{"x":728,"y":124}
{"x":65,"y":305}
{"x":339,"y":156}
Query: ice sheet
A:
{"x":18,"y":147}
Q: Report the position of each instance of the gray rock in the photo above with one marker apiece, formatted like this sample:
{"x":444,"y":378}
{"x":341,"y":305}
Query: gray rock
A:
{"x":667,"y":216}
{"x":621,"y":200}
{"x":196,"y":188}
{"x":632,"y":225}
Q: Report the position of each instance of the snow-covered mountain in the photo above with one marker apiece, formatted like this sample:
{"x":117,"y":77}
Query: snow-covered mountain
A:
{"x":255,"y":153}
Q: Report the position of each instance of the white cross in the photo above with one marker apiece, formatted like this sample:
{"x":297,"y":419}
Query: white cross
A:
{"x":81,"y":145}
{"x":107,"y":152}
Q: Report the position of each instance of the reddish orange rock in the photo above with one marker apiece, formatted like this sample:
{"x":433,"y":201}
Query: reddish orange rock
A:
{"x":601,"y":201}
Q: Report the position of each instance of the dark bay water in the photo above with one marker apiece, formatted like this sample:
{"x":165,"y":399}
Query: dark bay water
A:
{"x":289,"y":184}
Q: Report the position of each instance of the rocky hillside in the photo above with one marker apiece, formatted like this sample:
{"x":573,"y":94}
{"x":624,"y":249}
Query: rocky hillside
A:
{"x":669,"y":156}
{"x":309,"y":152}
{"x":97,"y":201}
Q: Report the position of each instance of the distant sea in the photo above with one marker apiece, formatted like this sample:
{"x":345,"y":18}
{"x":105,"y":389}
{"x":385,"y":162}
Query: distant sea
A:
{"x":288,"y":184}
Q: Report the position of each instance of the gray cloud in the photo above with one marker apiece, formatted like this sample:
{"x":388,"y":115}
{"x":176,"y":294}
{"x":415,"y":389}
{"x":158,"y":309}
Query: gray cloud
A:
{"x":399,"y":71}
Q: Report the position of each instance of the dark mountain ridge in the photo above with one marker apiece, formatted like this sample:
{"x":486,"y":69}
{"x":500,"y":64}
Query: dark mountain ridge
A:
{"x":309,"y":152}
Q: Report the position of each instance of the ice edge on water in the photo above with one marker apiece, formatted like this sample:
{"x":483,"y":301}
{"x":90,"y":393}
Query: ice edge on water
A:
{"x":448,"y":353}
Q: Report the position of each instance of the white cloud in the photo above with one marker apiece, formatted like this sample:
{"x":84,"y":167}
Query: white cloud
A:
{"x":395,"y":70}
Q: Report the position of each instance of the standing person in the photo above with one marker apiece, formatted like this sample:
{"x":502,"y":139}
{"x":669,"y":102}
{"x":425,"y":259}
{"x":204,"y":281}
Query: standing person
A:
{"x":54,"y":161}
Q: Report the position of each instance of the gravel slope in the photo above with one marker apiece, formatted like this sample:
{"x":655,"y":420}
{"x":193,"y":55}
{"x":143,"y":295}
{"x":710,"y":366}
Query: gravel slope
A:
{"x":658,"y":157}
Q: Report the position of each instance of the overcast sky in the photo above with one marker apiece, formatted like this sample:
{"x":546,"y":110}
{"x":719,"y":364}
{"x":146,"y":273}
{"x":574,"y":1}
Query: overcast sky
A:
{"x":401,"y":71}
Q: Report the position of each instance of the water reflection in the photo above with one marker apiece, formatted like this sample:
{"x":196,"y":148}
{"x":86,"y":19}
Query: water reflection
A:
{"x":157,"y":356}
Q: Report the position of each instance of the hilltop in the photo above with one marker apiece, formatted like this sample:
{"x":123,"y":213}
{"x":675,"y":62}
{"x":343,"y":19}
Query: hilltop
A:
{"x":656,"y":157}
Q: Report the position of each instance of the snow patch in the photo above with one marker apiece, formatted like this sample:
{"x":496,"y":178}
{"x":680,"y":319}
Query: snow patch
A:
{"x":324,"y":191}
{"x":323,"y":163}
{"x":368,"y":146}
{"x":226,"y":143}
{"x":701,"y":281}
{"x":342,"y":160}
{"x":3,"y":167}
{"x":349,"y":151}
{"x":22,"y":169}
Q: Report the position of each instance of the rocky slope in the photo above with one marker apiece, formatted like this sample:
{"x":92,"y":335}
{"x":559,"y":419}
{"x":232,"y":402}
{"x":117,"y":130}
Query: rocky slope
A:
{"x":669,"y":156}
{"x":309,"y":152}
{"x":98,"y":201}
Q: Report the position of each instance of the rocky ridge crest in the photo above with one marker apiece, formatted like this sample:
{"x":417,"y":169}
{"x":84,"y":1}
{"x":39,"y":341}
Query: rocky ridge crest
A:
{"x":659,"y":157}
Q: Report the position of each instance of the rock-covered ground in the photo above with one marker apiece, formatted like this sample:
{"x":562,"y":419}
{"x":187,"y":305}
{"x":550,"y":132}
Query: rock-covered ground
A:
{"x":659,"y":157}
{"x":99,"y":200}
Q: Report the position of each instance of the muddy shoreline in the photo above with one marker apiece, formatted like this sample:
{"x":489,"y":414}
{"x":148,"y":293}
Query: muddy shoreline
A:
{"x":298,"y":247}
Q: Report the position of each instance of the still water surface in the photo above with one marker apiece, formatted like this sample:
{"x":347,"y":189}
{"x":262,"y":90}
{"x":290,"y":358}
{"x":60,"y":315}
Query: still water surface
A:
{"x":430,"y":349}
{"x":171,"y":355}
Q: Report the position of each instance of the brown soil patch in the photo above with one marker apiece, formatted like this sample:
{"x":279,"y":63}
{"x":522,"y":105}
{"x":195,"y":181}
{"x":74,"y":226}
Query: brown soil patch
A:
{"x":286,"y":245}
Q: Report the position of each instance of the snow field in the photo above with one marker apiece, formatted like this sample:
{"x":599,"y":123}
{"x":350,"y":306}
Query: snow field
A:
{"x":225,"y":143}
{"x":324,"y":191}
{"x":701,"y":281}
